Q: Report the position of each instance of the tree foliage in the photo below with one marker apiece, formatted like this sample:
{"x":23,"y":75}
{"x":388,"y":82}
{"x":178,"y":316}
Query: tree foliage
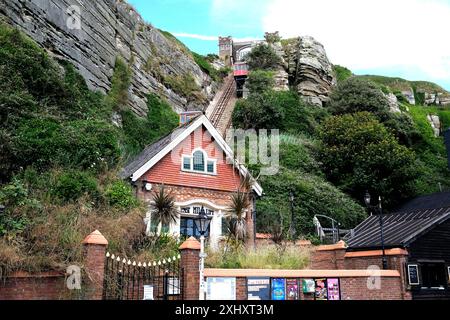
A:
{"x":262,"y":57}
{"x":283,"y":110}
{"x":359,"y":95}
{"x":358,"y":153}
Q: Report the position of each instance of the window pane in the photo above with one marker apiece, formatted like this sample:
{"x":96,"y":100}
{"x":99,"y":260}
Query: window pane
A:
{"x":186,"y":163}
{"x":199,"y":161}
{"x":211,"y":166}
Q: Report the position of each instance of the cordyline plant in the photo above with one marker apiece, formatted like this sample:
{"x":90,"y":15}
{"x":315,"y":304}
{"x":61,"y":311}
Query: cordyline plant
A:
{"x":237,"y":211}
{"x":163,"y":207}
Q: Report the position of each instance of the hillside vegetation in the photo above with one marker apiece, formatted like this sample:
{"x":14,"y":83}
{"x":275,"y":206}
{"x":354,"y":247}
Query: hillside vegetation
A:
{"x":59,"y":154}
{"x":330,"y":156}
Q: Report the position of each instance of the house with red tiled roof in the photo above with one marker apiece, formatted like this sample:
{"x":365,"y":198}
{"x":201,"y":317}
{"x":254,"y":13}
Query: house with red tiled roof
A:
{"x":199,"y":169}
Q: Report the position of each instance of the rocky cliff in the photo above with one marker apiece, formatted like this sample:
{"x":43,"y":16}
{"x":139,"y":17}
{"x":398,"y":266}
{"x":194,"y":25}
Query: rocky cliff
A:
{"x":309,"y":69}
{"x":91,"y":34}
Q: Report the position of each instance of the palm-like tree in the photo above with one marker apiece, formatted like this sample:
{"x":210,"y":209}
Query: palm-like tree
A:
{"x":237,"y":214}
{"x":239,"y":205}
{"x":163,"y":207}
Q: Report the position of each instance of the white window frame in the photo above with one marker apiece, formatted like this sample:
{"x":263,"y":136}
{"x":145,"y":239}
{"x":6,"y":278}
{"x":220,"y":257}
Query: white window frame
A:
{"x":206,"y":160}
{"x":409,"y":275}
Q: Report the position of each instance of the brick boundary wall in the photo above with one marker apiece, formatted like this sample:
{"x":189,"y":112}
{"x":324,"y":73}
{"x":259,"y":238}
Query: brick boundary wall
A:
{"x":354,"y":284}
{"x":40,"y":286}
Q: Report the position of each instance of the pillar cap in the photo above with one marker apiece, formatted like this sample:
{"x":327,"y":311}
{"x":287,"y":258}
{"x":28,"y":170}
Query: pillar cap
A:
{"x":96,"y":238}
{"x":190,"y":244}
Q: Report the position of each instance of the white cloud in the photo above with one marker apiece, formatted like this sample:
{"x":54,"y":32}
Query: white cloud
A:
{"x":380,"y":34}
{"x":208,"y":38}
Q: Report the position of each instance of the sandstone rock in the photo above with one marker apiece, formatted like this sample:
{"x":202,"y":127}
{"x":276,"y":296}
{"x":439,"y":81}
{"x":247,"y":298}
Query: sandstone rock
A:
{"x":310,"y":70}
{"x":435,"y":123}
{"x":92,"y":40}
{"x":393,"y":103}
{"x":409,"y":95}
{"x":281,"y":76}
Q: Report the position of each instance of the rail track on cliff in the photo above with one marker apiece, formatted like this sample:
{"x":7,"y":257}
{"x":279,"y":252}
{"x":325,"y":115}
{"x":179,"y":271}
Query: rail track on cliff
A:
{"x":217,"y":118}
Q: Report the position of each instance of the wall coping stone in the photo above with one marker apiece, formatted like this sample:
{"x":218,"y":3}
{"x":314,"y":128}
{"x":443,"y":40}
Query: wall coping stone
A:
{"x":243,"y":273}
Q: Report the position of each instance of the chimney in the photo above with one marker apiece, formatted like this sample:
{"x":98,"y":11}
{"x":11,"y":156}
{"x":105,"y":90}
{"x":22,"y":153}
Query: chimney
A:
{"x":447,"y":145}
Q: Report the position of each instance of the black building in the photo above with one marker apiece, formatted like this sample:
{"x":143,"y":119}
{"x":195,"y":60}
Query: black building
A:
{"x":422,"y":227}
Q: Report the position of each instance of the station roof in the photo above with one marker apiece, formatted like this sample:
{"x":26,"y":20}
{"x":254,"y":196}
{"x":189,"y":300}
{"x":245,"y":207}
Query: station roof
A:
{"x":413,"y":220}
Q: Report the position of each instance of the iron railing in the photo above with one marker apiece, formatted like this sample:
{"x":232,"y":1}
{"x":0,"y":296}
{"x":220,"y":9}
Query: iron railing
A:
{"x":127,"y":280}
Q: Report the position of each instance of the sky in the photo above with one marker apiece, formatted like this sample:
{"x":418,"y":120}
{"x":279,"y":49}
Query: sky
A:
{"x":403,"y":38}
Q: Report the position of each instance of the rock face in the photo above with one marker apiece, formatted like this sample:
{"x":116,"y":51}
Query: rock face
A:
{"x":435,"y":123}
{"x":393,"y":103}
{"x":310,"y":70}
{"x":91,"y":34}
{"x":409,"y":95}
{"x":281,"y":77}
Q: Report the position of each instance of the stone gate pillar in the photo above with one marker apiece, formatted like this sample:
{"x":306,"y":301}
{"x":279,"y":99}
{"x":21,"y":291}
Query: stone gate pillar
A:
{"x":94,"y":264}
{"x":190,"y":263}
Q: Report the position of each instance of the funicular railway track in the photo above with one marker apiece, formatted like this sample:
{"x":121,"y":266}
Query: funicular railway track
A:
{"x":218,"y":117}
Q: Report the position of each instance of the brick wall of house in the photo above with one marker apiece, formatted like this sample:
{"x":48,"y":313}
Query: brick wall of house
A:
{"x":42,"y":286}
{"x":219,"y":198}
{"x":168,"y":170}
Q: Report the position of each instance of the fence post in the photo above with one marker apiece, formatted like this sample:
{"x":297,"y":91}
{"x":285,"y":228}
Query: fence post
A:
{"x":94,"y":263}
{"x":190,"y":263}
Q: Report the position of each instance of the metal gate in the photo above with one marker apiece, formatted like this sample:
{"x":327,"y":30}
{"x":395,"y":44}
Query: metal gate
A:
{"x":126,"y":280}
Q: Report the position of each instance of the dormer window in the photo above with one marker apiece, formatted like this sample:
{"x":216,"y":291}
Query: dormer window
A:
{"x":199,"y":162}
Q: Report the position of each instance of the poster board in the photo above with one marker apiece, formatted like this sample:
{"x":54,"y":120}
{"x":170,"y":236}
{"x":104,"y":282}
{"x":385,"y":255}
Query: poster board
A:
{"x":334,"y":290}
{"x":221,"y":289}
{"x":148,"y":292}
{"x":309,"y":286}
{"x":292,"y":289}
{"x":321,"y":292}
{"x":258,"y":288}
{"x":278,"y":289}
{"x":413,"y":274}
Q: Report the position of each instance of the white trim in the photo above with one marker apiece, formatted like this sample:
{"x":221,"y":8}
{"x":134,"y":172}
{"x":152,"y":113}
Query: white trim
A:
{"x":202,"y":120}
{"x":206,"y":159}
{"x":204,"y":202}
{"x":418,"y":275}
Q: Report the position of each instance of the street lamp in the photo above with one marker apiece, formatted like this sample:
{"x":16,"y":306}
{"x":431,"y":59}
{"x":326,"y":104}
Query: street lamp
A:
{"x":202,"y":223}
{"x":291,"y":226}
{"x":379,"y":210}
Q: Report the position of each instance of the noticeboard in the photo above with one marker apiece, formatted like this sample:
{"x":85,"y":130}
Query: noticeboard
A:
{"x":309,"y":286}
{"x":278,"y":289}
{"x":258,"y":288}
{"x":148,"y":292}
{"x":292,"y":289}
{"x":334,"y":292}
{"x":413,"y":274}
{"x":321,"y":292}
{"x":221,"y":289}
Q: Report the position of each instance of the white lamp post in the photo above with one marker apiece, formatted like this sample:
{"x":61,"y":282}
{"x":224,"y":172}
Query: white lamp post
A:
{"x":202,"y":223}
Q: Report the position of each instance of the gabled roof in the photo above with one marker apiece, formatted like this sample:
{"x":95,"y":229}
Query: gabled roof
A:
{"x":430,"y":201}
{"x":155,"y":152}
{"x":399,"y":229}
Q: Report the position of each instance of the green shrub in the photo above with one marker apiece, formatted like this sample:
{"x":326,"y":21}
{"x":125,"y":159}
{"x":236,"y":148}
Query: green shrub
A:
{"x":140,"y":132}
{"x":72,"y":185}
{"x":360,"y":95}
{"x":260,"y":81}
{"x":86,"y":144}
{"x":120,"y":194}
{"x":120,"y":83}
{"x":263,"y":57}
{"x":342,"y":73}
{"x":358,"y":153}
{"x":205,"y":65}
{"x":18,"y":208}
{"x":283,"y":110}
